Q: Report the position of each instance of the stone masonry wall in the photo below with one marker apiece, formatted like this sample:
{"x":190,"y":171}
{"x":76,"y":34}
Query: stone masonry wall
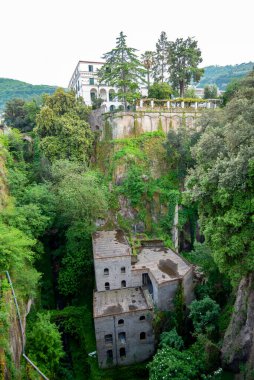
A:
{"x":124,"y":124}
{"x":136,"y":349}
{"x":115,"y":277}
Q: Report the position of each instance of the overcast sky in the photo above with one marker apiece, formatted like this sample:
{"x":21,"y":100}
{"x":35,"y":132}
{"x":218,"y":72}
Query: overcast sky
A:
{"x":42,"y":40}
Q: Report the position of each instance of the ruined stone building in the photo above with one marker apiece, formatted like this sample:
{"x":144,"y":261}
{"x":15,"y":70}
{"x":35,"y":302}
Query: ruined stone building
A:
{"x":127,"y":289}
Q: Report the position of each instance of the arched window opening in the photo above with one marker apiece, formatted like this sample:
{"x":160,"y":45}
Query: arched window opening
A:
{"x":108,"y":339}
{"x":142,"y":318}
{"x":121,"y":322}
{"x":142,"y":335}
{"x":106,"y":271}
{"x":107,"y":286}
{"x":123,"y":284}
{"x":122,"y":352}
{"x":103,"y":94}
{"x":122,"y":337}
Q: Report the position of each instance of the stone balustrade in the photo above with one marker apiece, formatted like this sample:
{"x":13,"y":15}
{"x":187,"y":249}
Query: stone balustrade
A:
{"x":173,"y":104}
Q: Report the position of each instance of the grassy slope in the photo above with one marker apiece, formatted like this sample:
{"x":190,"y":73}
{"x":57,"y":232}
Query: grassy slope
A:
{"x":10,"y":88}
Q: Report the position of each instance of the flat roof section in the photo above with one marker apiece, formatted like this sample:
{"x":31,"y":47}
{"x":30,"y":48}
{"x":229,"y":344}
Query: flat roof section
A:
{"x":108,"y":244}
{"x":114,"y":302}
{"x":162,"y":263}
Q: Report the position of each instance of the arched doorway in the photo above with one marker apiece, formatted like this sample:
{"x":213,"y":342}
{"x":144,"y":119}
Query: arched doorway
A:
{"x":93,"y":94}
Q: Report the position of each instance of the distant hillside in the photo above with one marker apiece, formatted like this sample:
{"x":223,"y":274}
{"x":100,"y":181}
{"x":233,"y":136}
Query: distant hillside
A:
{"x":10,"y":88}
{"x":222,"y":75}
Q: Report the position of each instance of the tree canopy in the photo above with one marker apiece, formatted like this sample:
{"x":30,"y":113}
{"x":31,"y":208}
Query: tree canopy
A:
{"x":222,"y":182}
{"x":210,"y":91}
{"x":184,"y":58}
{"x":123,"y":70}
{"x":62,"y":127}
{"x":160,"y":61}
{"x":160,"y":91}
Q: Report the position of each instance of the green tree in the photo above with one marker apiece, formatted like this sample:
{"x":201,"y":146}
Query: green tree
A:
{"x":44,"y":345}
{"x":204,"y":315}
{"x":171,"y":364}
{"x":190,"y":93}
{"x":14,"y":113}
{"x":81,"y":197}
{"x":160,"y":91}
{"x":62,"y":127}
{"x":210,"y":91}
{"x":171,"y":339}
{"x":20,"y":114}
{"x":231,"y":90}
{"x":148,"y":59}
{"x":215,"y":285}
{"x":77,"y":262}
{"x":178,"y":148}
{"x":123,"y":70}
{"x":160,"y":63}
{"x":194,"y":363}
{"x":222,"y":182}
{"x":183,"y":58}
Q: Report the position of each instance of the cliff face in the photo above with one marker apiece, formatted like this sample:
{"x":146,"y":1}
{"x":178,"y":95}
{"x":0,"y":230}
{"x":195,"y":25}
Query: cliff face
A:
{"x":238,"y":345}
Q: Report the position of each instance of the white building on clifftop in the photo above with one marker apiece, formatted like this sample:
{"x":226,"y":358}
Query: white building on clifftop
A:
{"x":84,"y":82}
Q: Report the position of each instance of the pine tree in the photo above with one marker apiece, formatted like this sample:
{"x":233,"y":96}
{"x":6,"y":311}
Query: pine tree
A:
{"x":122,"y":70}
{"x":160,"y":67}
{"x":183,"y":58}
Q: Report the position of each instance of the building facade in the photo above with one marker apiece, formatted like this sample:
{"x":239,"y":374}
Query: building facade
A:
{"x":84,"y":82}
{"x":127,"y":290}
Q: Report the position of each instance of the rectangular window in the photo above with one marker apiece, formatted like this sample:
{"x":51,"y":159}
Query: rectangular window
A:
{"x":91,"y":81}
{"x":90,"y":68}
{"x":109,"y":356}
{"x":108,"y":339}
{"x":123,"y":270}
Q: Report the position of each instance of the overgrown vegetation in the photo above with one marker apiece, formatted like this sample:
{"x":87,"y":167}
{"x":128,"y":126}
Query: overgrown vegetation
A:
{"x":58,"y":188}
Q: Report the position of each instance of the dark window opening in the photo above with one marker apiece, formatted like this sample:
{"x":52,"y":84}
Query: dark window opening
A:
{"x":142,"y":336}
{"x":93,"y":96}
{"x":121,"y":322}
{"x":122,"y":352}
{"x":123,"y":270}
{"x":90,"y":68}
{"x":122,"y":337}
{"x":142,"y":318}
{"x":106,"y":271}
{"x":107,"y":286}
{"x":108,"y":339}
{"x":123,"y":284}
{"x":109,"y":355}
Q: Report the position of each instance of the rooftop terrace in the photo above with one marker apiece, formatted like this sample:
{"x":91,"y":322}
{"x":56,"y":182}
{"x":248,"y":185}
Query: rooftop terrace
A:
{"x":162,"y":263}
{"x":119,"y":301}
{"x":110,"y":244}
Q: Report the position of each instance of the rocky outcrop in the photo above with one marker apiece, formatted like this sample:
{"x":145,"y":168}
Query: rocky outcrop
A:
{"x":238,"y":345}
